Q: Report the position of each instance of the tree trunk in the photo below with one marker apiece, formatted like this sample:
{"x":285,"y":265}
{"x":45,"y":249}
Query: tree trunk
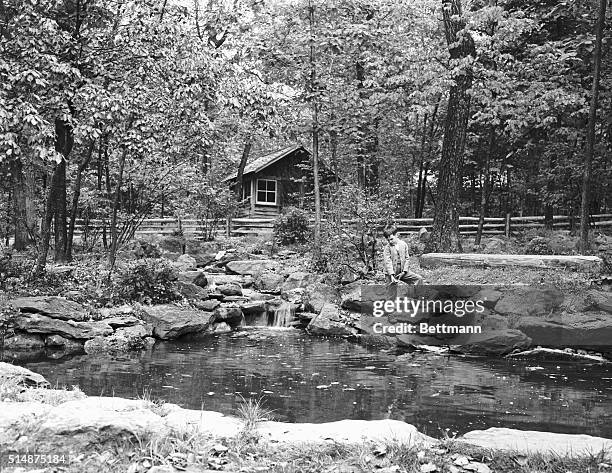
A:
{"x":445,"y":232}
{"x":484,"y":188}
{"x":76,"y":193}
{"x":246,"y":151}
{"x":315,"y":132}
{"x":588,"y":159}
{"x":64,"y":143}
{"x":112,"y":256}
{"x":20,"y":218}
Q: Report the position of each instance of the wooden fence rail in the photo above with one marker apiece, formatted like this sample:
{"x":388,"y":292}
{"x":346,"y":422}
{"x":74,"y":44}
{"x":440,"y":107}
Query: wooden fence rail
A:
{"x":246,"y":226}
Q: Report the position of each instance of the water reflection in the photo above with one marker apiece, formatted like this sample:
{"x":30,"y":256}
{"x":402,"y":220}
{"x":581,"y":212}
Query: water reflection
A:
{"x":306,"y":379}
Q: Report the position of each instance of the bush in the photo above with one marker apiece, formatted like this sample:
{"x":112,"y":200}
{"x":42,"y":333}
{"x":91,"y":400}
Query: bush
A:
{"x":150,"y":281}
{"x":538,"y":246}
{"x":292,"y":227}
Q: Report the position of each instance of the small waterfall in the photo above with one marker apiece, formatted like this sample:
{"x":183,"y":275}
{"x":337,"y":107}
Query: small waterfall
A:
{"x":284,"y":314}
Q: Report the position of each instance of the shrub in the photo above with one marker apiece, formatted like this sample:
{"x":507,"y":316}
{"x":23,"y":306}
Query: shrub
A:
{"x":538,"y":246}
{"x":292,"y":227}
{"x":149,"y":281}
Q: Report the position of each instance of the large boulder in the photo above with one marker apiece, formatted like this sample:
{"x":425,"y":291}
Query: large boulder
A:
{"x":319,"y":294}
{"x":591,"y":301}
{"x":249,"y":267}
{"x":230,"y":289}
{"x":230,"y":315}
{"x":37,"y":323}
{"x":24,"y":341}
{"x":65,"y":344}
{"x":194,"y":277}
{"x":589,"y":330}
{"x":54,"y":307}
{"x":532,"y":442}
{"x":298,"y":279}
{"x":170,"y":321}
{"x":270,"y":282}
{"x":529,"y":301}
{"x":20,"y":375}
{"x":330,"y":322}
{"x":191,"y":291}
{"x":123,"y":340}
{"x":492,"y":342}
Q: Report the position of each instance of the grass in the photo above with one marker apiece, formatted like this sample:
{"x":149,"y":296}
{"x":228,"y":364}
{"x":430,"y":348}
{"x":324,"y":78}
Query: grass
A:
{"x":251,"y":411}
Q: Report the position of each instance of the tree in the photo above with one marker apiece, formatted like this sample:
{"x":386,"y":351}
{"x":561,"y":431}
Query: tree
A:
{"x":445,"y":233}
{"x":590,"y":141}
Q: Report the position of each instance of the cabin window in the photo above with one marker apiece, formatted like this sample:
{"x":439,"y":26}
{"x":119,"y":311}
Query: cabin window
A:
{"x":266,"y":191}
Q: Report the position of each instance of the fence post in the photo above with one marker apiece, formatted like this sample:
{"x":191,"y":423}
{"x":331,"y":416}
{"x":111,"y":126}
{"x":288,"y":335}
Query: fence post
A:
{"x":507,"y":225}
{"x":228,"y":226}
{"x":179,"y":224}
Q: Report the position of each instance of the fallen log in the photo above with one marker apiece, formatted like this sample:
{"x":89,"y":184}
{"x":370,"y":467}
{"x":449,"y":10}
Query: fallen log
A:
{"x":579,"y":263}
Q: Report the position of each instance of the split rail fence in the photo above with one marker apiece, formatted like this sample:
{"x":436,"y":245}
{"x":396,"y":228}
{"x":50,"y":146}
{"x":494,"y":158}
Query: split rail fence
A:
{"x":258,"y":226}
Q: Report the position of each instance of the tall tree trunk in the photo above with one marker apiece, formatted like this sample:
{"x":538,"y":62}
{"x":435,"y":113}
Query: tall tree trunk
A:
{"x":588,"y":158}
{"x":112,"y":256}
{"x":20,"y":217}
{"x":445,"y":232}
{"x":549,"y":210}
{"x":315,"y":132}
{"x":484,"y":188}
{"x":421,"y":183}
{"x":246,"y":151}
{"x":64,"y":141}
{"x":76,"y":193}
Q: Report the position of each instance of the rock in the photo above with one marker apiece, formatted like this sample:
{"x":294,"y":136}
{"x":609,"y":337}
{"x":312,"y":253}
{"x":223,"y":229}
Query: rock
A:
{"x":561,"y":243}
{"x":231,"y":315}
{"x":230,"y":289}
{"x":139,"y":330}
{"x":255,"y":307}
{"x":121,"y":321}
{"x":424,"y":235}
{"x":330,"y":322}
{"x":208,"y":305}
{"x":37,"y":323}
{"x":220,"y":279}
{"x":186,"y":263}
{"x":271,"y":282}
{"x":191,"y":291}
{"x":54,"y":307}
{"x":96,"y":420}
{"x":123,"y":340}
{"x":489,"y":296}
{"x":23,"y":341}
{"x":591,"y":301}
{"x":250,"y":267}
{"x":21,"y":376}
{"x":533,"y":442}
{"x":587,"y":330}
{"x":57,"y":341}
{"x":170,"y":321}
{"x":174,"y":244}
{"x":498,"y":342}
{"x":194,"y":277}
{"x":319,"y":294}
{"x":221,"y":328}
{"x":344,"y":432}
{"x":298,"y":279}
{"x":529,"y":301}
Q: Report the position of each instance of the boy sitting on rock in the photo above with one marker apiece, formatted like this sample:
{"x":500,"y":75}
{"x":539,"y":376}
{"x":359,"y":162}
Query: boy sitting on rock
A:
{"x":396,"y":259}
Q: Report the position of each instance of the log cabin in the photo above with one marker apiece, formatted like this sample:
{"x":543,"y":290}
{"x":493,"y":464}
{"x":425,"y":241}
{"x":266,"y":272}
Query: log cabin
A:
{"x":276,"y":180}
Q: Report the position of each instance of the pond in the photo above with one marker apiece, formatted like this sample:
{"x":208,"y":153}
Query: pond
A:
{"x":306,"y":379}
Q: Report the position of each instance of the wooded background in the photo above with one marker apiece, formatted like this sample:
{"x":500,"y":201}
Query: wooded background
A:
{"x":121,"y":110}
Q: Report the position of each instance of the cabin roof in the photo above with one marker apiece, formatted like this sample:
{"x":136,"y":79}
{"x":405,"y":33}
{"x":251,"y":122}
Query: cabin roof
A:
{"x":266,"y":160}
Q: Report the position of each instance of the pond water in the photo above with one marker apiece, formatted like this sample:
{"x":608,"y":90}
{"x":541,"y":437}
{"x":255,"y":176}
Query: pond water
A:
{"x":307,"y":379}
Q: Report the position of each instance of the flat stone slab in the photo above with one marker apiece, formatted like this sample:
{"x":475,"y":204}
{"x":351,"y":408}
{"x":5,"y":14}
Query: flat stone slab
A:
{"x":54,"y":307}
{"x":531,"y":441}
{"x":21,"y":375}
{"x":38,"y":323}
{"x":580,"y":263}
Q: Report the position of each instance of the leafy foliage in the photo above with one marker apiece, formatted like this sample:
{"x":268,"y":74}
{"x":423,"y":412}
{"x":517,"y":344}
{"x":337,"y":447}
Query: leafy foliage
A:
{"x":292,"y":226}
{"x":150,"y":281}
